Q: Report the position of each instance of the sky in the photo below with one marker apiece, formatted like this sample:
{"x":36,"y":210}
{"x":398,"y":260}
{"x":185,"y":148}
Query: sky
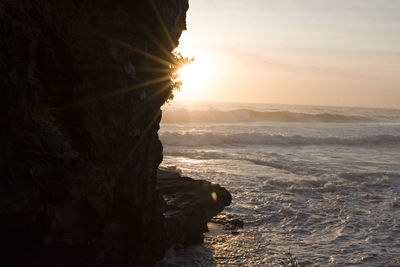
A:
{"x":308,"y":52}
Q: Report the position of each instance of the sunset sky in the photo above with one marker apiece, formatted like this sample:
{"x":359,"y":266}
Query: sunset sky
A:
{"x":313,"y":52}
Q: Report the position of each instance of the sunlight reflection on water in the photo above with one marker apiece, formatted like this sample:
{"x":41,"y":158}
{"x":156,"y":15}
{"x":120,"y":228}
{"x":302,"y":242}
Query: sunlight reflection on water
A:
{"x":325,"y":203}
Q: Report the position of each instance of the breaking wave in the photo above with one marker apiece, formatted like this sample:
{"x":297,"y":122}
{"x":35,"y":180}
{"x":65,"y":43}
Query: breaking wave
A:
{"x":213,"y":139}
{"x":248,"y":115}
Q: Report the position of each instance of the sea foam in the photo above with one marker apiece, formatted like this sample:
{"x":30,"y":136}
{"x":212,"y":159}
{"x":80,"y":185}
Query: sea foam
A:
{"x":214,"y":139}
{"x":248,"y":115}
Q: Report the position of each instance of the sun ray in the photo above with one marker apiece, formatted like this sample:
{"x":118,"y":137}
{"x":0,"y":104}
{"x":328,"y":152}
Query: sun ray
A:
{"x":157,"y":59}
{"x":167,"y":71}
{"x":156,"y":93}
{"x":149,"y":69}
{"x":136,"y":146}
{"x":160,"y":19}
{"x":117,"y":92}
{"x":159,"y":45}
{"x":138,"y":51}
{"x":123,"y":44}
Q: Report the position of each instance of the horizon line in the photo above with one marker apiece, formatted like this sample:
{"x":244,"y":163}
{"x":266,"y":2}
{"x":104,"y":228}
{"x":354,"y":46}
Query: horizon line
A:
{"x":283,"y":104}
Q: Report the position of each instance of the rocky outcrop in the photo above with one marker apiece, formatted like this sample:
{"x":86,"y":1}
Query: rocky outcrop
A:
{"x":189,"y":206}
{"x":80,"y":112}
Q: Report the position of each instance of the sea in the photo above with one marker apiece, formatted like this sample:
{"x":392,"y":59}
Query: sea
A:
{"x":314,"y":185}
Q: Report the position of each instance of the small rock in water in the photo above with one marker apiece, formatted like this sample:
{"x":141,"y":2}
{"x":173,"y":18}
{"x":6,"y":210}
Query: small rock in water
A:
{"x":227,"y":222}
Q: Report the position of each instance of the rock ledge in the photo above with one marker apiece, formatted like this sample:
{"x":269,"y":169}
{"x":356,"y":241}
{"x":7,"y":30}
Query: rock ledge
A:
{"x":189,"y":205}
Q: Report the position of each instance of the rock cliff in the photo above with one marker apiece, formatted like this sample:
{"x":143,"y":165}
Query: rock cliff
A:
{"x":81,"y":85}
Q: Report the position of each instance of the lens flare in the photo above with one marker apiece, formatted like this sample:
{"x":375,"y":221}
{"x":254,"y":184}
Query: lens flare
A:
{"x":214,"y":196}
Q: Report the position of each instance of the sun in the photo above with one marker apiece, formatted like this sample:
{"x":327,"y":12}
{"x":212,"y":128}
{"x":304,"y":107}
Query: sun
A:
{"x":190,"y":75}
{"x":195,"y":76}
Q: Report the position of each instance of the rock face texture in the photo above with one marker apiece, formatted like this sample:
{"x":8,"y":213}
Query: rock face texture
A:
{"x":189,"y":205}
{"x":80,"y":112}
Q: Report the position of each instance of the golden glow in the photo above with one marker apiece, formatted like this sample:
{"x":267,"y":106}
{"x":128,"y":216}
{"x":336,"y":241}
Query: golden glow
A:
{"x":196,"y":76}
{"x":281,"y":55}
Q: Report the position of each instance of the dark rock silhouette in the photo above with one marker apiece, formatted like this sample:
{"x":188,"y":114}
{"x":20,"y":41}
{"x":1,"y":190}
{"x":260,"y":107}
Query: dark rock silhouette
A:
{"x":189,"y":205}
{"x":79,"y":149}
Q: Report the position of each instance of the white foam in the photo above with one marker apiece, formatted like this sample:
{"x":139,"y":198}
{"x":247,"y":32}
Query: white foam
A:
{"x":248,"y":115}
{"x":255,"y":138}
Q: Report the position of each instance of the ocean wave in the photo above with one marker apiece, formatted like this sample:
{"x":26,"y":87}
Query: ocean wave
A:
{"x":213,"y":139}
{"x":280,"y":163}
{"x":248,"y":115}
{"x":363,"y":176}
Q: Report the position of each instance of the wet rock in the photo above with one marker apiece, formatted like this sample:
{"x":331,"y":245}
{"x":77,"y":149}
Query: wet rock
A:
{"x":228,"y":222}
{"x":189,"y":205}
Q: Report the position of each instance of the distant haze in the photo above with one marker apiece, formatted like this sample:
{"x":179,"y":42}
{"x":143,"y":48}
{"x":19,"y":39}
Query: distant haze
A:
{"x":313,"y":52}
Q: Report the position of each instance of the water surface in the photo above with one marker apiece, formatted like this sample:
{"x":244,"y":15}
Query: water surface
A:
{"x":322,"y":183}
